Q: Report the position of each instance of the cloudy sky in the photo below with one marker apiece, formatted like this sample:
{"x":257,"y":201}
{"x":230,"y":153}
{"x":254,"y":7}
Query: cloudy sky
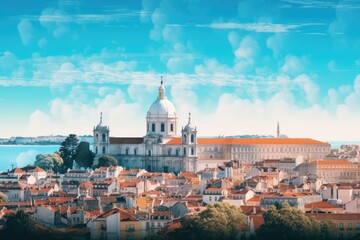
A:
{"x":237,"y":66}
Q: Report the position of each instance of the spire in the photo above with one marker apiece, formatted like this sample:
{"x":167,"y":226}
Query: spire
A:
{"x":189,"y":118}
{"x":100,"y":118}
{"x":161,"y":89}
{"x":278,"y":130}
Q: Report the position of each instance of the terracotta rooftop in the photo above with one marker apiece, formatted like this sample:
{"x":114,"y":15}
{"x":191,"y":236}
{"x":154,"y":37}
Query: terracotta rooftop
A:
{"x":321,"y":204}
{"x":250,"y":141}
{"x":332,"y":162}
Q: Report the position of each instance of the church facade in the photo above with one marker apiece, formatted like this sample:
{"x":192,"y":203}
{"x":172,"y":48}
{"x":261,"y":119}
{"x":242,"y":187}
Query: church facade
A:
{"x":164,"y":149}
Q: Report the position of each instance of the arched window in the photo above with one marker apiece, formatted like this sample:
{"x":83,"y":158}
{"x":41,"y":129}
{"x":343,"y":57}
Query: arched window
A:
{"x":184,"y":138}
{"x":184,"y":151}
{"x":177,"y":152}
{"x":169,"y":152}
{"x":192,"y":138}
{"x":96,"y":150}
{"x":135,"y":151}
{"x":153,"y":127}
{"x":162,"y":127}
{"x":104,"y":137}
{"x":127,"y":151}
{"x":97,"y":138}
{"x":149,"y":153}
{"x":103,"y":150}
{"x":192,"y":151}
{"x":172,"y":127}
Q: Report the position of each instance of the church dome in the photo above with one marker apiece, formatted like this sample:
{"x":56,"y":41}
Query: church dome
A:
{"x":162,"y":107}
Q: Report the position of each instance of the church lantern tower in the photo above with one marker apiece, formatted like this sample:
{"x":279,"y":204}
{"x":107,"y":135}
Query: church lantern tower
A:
{"x":101,"y":138}
{"x":189,"y":142}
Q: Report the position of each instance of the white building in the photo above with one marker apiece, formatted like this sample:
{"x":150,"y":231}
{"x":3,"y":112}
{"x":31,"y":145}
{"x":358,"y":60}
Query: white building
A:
{"x":164,"y":149}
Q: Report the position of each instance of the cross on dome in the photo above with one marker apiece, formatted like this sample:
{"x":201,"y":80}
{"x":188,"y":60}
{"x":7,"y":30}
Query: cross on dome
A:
{"x":101,"y":118}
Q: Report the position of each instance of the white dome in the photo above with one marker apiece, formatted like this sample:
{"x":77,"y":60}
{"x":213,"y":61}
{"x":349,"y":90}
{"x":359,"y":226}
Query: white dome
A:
{"x":162,"y":108}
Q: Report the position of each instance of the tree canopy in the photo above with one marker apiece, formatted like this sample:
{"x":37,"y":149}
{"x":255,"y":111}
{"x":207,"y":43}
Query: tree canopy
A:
{"x":286,"y":222}
{"x":107,"y":161}
{"x":84,"y":156}
{"x":218,"y":221}
{"x":3,"y":197}
{"x":50,"y":161}
{"x":19,"y":226}
{"x":68,"y":151}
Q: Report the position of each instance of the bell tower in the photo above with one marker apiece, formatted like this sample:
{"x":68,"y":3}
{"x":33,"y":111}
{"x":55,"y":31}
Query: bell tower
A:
{"x":101,"y":138}
{"x":189,"y":142}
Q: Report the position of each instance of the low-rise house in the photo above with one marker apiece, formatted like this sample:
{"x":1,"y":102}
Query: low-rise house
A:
{"x":323,"y":207}
{"x":77,"y":176}
{"x":15,"y":191}
{"x":348,"y":223}
{"x":86,"y":188}
{"x":295,"y":199}
{"x":36,"y":172}
{"x":118,"y":224}
{"x":352,"y":206}
{"x":70,"y":187}
{"x":214,"y":195}
{"x":345,"y":193}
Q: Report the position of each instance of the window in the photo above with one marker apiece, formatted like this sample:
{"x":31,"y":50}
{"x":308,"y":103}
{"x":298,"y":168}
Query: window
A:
{"x":135,"y":151}
{"x":358,"y":226}
{"x":172,"y":127}
{"x":96,"y":150}
{"x":127,"y":151}
{"x":192,"y":138}
{"x":184,"y":138}
{"x":169,"y":152}
{"x":184,"y":151}
{"x":192,"y":151}
{"x":210,"y":199}
{"x":97,"y":137}
{"x":104,"y":137}
{"x":350,"y":226}
{"x":130,"y":227}
{"x":153,"y":127}
{"x":149,"y":153}
{"x":177,"y":152}
{"x":103,"y":150}
{"x":162,"y":127}
{"x":341,"y":226}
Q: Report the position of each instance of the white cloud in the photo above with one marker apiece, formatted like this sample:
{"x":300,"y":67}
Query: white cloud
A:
{"x":294,"y":65}
{"x":25,"y":29}
{"x":275,"y":43}
{"x":26,"y":158}
{"x":308,"y":86}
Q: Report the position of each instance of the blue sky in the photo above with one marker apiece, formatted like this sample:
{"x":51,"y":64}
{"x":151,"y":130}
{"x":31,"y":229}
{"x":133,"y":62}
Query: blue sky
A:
{"x":238,"y":66}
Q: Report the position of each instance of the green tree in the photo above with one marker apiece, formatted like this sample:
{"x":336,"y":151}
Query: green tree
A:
{"x":50,"y":161}
{"x":68,"y":151}
{"x":286,"y":222}
{"x":19,"y":226}
{"x":218,"y":221}
{"x":84,"y":156}
{"x":3,"y":197}
{"x":107,"y":161}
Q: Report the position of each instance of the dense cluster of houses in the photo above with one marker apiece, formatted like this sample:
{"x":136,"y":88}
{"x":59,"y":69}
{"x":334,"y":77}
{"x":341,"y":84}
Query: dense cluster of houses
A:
{"x":113,"y":202}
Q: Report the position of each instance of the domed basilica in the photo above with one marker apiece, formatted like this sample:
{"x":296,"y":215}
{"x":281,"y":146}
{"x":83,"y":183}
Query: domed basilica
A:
{"x":163,"y":149}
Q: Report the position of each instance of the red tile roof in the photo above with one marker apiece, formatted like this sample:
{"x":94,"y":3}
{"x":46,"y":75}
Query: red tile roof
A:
{"x":250,"y":141}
